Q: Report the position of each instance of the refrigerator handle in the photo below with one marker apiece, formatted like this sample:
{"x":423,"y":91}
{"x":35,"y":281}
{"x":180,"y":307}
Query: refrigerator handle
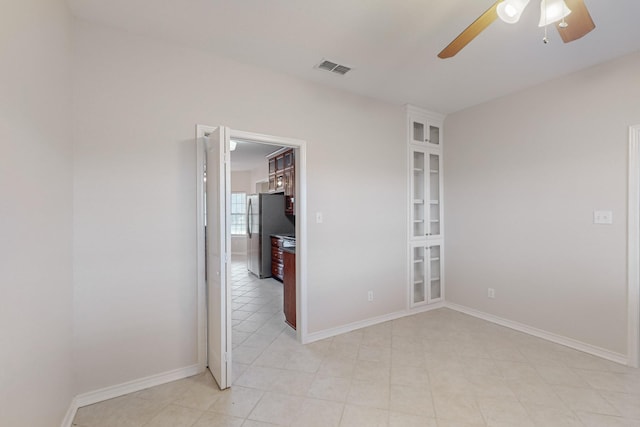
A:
{"x":249,"y":209}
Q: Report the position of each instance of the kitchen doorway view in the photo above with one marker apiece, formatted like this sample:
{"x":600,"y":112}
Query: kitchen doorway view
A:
{"x":263,"y":248}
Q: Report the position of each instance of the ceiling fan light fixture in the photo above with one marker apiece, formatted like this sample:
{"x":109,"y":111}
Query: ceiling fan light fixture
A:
{"x":552,"y":11}
{"x":510,"y":11}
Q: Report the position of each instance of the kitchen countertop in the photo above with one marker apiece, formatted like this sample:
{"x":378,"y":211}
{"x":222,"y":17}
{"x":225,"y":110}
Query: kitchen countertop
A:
{"x":290,"y":249}
{"x":285,"y":236}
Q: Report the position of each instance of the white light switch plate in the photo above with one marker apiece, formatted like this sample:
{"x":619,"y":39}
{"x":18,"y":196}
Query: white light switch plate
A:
{"x":319,"y":218}
{"x":603,"y":217}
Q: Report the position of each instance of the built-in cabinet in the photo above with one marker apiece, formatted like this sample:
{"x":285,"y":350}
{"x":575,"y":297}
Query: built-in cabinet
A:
{"x":282,"y":176}
{"x":426,"y":228}
{"x":277,"y":260}
{"x":283,"y":268}
{"x":289,"y":288}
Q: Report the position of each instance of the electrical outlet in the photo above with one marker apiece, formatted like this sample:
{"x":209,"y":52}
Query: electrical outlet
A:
{"x":370,"y":296}
{"x":491,"y":293}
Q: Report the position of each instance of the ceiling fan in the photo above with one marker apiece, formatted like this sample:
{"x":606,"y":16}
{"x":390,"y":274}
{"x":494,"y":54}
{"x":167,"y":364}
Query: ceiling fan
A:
{"x":571,"y":17}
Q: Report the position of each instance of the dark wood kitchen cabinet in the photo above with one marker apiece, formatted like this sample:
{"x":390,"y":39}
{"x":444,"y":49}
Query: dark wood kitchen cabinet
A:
{"x":282,"y":176}
{"x":289,"y":283}
{"x":290,"y":192}
{"x":277,"y":260}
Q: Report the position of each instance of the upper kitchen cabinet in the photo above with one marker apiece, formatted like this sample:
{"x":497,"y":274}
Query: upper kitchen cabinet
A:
{"x":282,"y":166}
{"x":288,"y":159}
{"x":424,"y":127}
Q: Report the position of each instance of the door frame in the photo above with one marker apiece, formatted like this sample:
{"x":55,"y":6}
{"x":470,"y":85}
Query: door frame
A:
{"x":301,"y":233}
{"x":633,"y":264}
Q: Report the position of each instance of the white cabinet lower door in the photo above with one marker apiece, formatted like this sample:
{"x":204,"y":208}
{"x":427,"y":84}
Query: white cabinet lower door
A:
{"x":426,"y":280}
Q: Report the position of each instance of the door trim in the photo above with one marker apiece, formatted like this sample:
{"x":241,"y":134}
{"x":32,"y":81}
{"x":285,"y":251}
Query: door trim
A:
{"x":201,"y":297}
{"x":633,"y":279}
{"x":301,"y":232}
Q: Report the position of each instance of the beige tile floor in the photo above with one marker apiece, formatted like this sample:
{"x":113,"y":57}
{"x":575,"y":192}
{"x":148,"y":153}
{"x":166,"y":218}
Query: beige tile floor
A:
{"x":440,"y":368}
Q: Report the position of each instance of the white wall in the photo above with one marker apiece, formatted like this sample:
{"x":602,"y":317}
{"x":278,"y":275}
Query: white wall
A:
{"x":36,"y":292}
{"x":241,"y":181}
{"x":260,"y":174}
{"x":137,"y":104}
{"x":523,"y":175}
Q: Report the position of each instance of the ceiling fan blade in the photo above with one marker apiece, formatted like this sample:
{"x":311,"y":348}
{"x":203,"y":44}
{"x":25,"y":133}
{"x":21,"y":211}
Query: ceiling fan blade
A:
{"x":470,"y":32}
{"x":579,"y":22}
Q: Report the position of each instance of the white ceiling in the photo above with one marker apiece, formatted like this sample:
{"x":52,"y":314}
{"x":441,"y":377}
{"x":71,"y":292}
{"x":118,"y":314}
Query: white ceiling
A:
{"x":391,"y":45}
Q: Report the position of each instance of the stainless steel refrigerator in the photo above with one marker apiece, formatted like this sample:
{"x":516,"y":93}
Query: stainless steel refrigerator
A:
{"x":265,"y":216}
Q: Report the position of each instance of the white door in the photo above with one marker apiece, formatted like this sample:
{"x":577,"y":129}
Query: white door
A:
{"x":217,"y":252}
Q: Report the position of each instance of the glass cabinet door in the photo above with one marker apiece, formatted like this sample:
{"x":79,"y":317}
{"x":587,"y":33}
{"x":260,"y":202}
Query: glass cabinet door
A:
{"x":419,"y":193}
{"x":418,"y":276}
{"x":434,"y":199}
{"x":434,"y":272}
{"x":288,"y":159}
{"x":423,"y":131}
{"x":426,"y":280}
{"x":433,"y":136}
{"x":426,"y":203}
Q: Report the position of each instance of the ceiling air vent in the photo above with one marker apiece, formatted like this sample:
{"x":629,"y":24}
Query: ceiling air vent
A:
{"x":333,"y":67}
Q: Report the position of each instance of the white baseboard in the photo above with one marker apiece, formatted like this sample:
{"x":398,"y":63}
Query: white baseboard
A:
{"x":328,"y":333}
{"x":549,"y":336}
{"x":71,"y":413}
{"x":106,"y":393}
{"x":118,"y":390}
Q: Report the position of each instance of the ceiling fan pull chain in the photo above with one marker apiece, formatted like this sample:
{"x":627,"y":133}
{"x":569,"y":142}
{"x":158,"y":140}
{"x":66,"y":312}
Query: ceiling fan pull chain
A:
{"x":545,"y":40}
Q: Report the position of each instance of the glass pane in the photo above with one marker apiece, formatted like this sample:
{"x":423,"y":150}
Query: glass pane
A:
{"x":434,"y":135}
{"x":418,"y":220}
{"x":435,"y":289}
{"x":434,"y":194}
{"x":434,"y":219}
{"x":238,"y":213}
{"x":418,"y":276}
{"x":418,"y":293}
{"x":434,"y":273}
{"x":418,"y":131}
{"x":418,"y":175}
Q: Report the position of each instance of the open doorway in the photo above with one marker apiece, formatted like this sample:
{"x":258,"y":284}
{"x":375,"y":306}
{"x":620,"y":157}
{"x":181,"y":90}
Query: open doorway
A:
{"x":262,"y":220}
{"x":215,"y":296}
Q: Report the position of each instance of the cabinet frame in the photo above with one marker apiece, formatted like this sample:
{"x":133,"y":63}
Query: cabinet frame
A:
{"x":426,"y":228}
{"x":282,"y":176}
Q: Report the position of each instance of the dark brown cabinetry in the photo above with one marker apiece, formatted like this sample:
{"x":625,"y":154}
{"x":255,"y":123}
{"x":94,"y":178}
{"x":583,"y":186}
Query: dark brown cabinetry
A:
{"x":283,"y":268}
{"x":289,"y":303}
{"x":277,"y":260}
{"x":282,"y":177}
